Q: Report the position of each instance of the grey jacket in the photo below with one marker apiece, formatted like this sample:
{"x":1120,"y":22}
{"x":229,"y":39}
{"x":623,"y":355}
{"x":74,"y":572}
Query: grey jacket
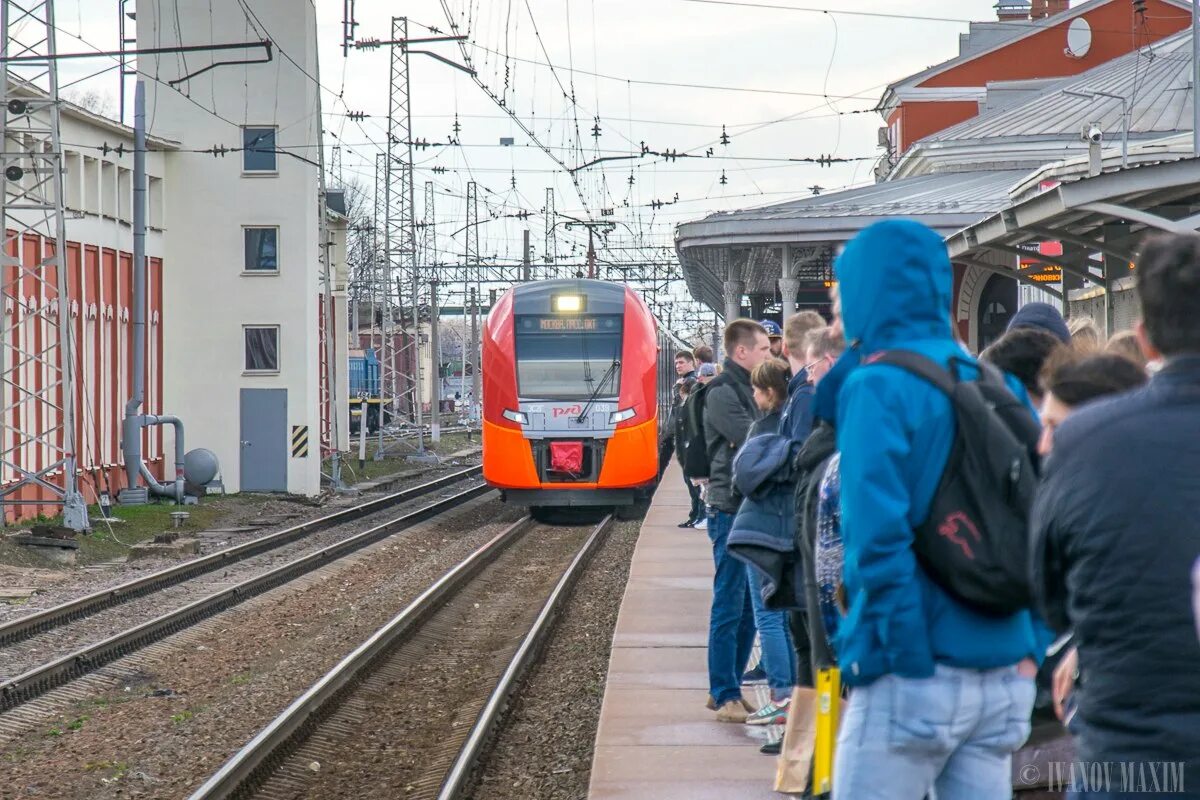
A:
{"x":729,"y":411}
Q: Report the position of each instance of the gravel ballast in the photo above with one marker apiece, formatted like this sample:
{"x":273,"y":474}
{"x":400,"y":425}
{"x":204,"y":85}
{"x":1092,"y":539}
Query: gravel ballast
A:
{"x":543,"y":750}
{"x":204,"y":693}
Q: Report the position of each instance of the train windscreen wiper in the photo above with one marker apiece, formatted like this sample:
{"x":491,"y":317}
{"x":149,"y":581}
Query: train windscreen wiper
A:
{"x":612,"y":369}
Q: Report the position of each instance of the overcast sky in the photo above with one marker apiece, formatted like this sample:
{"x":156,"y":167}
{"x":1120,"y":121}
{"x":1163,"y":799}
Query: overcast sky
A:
{"x":805,"y":67}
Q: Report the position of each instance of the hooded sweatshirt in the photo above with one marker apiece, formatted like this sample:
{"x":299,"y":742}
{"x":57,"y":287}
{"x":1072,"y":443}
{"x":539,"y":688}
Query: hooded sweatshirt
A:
{"x":894,"y":433}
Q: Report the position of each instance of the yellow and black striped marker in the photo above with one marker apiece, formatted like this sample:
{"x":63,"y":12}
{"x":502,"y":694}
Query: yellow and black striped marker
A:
{"x":299,"y":441}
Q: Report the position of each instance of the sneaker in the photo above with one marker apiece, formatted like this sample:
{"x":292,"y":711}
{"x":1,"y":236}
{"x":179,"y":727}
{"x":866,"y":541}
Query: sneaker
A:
{"x":701,"y":524}
{"x":687,"y":523}
{"x":711,"y":704}
{"x":754,"y":677}
{"x":773,"y":747}
{"x":732,"y":711}
{"x":773,"y":713}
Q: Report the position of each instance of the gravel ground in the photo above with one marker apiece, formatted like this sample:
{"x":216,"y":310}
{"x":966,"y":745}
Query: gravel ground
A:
{"x":207,"y":691}
{"x":543,"y":750}
{"x":21,"y":656}
{"x":271,"y":513}
{"x":404,"y":726}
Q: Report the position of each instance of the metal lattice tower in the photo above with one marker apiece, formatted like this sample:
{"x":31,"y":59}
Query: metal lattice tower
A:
{"x":335,"y":167}
{"x":471,"y":267}
{"x":381,"y":305}
{"x":431,"y":264}
{"x":401,"y":226}
{"x":550,"y":257}
{"x":37,"y":367}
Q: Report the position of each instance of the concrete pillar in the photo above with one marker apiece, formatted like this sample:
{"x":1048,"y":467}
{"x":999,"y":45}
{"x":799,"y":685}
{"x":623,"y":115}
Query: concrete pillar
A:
{"x":788,"y":289}
{"x":733,"y":299}
{"x":789,"y":286}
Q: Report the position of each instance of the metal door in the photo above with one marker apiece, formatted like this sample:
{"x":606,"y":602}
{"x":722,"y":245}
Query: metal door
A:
{"x":264,"y":440}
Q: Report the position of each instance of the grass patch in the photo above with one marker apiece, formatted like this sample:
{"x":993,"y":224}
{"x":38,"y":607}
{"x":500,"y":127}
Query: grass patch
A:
{"x":181,"y":717}
{"x":77,"y":724}
{"x":240,"y":680}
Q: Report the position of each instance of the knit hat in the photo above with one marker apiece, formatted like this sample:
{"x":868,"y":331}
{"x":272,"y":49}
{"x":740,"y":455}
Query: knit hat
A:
{"x":1043,"y":316}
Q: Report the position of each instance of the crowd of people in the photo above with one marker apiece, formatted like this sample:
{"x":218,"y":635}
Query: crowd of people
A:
{"x":971,"y":566}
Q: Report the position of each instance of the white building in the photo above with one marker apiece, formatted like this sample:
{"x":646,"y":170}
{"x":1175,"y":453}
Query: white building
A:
{"x":242,"y":288}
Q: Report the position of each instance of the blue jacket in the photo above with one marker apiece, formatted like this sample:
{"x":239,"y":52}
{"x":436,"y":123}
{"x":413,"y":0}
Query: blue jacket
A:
{"x":796,"y":421}
{"x":894,"y":434}
{"x":764,"y":530}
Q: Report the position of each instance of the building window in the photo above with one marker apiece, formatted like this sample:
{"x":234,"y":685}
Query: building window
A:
{"x":258,"y":149}
{"x":262,"y":348}
{"x":262,"y":249}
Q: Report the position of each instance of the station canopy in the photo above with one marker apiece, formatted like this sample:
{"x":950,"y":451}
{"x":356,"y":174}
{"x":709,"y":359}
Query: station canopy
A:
{"x":998,"y":185}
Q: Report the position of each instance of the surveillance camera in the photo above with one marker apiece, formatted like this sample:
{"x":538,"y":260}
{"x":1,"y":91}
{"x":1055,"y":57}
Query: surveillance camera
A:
{"x":1092,"y":134}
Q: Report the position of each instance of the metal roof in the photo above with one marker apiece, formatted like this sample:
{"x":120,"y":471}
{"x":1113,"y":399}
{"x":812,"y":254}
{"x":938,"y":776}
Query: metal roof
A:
{"x":941,"y":200}
{"x":1108,"y":213}
{"x":1156,"y":81}
{"x":747,"y":243}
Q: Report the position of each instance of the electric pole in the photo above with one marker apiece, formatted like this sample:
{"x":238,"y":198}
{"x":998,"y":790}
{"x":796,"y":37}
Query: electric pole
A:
{"x":40,"y":441}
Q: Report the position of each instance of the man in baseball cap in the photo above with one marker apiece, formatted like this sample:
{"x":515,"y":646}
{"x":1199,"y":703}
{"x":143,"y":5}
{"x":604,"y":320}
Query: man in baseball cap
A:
{"x":775,"y":334}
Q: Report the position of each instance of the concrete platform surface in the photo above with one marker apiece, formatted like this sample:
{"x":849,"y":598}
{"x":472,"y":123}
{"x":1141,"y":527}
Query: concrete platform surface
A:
{"x":656,"y":739}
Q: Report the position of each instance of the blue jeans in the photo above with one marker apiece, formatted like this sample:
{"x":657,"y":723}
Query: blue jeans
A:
{"x":954,"y":734}
{"x":731,"y":621}
{"x":778,"y":652}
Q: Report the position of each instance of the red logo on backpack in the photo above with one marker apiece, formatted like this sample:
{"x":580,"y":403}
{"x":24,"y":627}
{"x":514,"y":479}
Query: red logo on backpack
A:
{"x":954,"y":526}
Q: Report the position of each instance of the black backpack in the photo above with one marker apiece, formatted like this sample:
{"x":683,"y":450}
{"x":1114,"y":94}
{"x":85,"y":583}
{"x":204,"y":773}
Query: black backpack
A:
{"x":975,"y":542}
{"x":696,"y":457}
{"x":695,"y":452}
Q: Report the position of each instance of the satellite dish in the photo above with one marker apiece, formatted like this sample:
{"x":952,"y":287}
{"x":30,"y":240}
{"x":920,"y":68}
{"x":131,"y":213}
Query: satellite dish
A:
{"x":1079,"y":38}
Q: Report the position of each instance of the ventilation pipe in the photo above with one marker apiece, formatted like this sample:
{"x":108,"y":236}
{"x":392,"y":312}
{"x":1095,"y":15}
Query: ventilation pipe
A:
{"x":131,"y":429}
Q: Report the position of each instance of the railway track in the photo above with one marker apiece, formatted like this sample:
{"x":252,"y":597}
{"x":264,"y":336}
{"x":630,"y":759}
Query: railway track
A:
{"x":376,"y":722}
{"x":196,"y":592}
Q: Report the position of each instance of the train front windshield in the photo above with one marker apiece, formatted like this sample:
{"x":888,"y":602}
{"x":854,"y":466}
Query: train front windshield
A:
{"x":568,"y":358}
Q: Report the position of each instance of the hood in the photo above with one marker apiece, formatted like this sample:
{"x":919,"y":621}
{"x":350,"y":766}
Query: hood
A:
{"x":895,"y":282}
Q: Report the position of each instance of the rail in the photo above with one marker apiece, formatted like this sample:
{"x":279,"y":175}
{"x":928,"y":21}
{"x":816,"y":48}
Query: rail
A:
{"x":32,"y":624}
{"x":246,"y":771}
{"x":39,"y":680}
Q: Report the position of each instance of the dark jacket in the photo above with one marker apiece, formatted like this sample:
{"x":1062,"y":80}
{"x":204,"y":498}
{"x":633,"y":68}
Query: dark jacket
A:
{"x":810,"y":465}
{"x":1115,"y":535}
{"x":729,"y":411}
{"x":894,"y":432}
{"x":680,"y":429}
{"x":797,"y":419}
{"x":764,"y":530}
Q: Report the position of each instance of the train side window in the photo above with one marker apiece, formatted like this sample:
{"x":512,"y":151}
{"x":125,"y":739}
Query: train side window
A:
{"x":262,"y":348}
{"x":262,"y":250}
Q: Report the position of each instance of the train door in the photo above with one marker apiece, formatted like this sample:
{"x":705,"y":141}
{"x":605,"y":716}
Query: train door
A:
{"x":264,"y":440}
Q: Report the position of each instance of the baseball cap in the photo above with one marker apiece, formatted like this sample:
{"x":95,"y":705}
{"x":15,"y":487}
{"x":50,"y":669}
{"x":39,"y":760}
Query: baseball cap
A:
{"x":707,"y":370}
{"x":773,"y":329}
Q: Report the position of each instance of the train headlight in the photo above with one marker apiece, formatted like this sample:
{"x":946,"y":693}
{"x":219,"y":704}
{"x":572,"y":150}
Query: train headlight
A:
{"x":515,"y":416}
{"x":621,"y":416}
{"x":567,"y":303}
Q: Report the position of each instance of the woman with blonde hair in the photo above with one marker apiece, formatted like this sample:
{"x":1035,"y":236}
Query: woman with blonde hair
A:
{"x":1085,"y":336}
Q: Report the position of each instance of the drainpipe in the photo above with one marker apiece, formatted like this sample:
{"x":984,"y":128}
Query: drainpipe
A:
{"x":131,"y":429}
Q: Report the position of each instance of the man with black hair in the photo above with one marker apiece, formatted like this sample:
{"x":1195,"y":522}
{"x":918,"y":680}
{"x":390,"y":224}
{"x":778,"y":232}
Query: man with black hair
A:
{"x":1114,"y":538}
{"x":1022,"y":352}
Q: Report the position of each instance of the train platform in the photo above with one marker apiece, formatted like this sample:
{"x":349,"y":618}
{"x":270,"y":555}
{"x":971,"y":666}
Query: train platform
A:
{"x":656,"y":738}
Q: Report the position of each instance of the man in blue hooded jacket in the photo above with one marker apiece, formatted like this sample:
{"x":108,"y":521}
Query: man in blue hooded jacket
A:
{"x":940,"y":695}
